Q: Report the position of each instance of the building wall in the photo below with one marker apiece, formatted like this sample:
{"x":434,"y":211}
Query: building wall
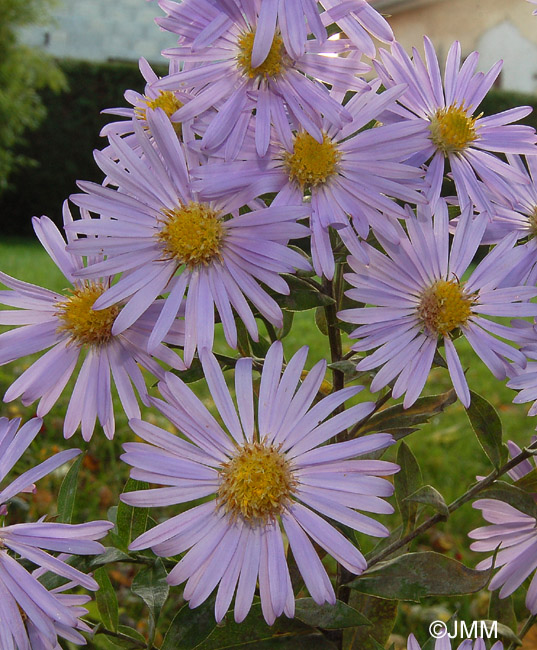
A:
{"x":98,"y":30}
{"x":498,"y":29}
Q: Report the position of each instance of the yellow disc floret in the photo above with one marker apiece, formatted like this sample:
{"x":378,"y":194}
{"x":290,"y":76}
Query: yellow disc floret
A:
{"x":86,"y":325}
{"x":165,"y":100}
{"x":444,"y":307}
{"x":192,"y":234}
{"x":256,"y":483}
{"x":452,"y":129}
{"x":271,"y":66}
{"x":312,"y":163}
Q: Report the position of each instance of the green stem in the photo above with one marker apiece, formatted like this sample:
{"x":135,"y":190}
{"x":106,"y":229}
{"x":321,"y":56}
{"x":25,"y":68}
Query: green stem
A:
{"x":100,"y":629}
{"x":525,"y":629}
{"x":455,"y":505}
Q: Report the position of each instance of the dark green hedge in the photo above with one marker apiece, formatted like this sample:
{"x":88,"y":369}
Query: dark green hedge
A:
{"x":64,"y":143}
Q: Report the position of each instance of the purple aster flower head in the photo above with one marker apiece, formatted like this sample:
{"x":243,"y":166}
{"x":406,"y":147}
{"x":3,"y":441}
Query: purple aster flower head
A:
{"x":32,"y":616}
{"x":514,"y":533}
{"x":156,"y":231}
{"x":417,"y":300}
{"x":457,"y":133}
{"x":524,"y":379}
{"x":219,"y":39}
{"x":352,"y":173}
{"x":296,"y":18}
{"x":69,"y":326}
{"x":266,"y":472}
{"x":444,"y":643}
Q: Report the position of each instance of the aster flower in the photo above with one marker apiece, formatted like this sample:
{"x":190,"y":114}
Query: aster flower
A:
{"x":515,"y":534}
{"x":416,"y":300}
{"x":69,"y":326}
{"x":268,"y":472}
{"x":351,"y":173}
{"x":447,"y":110}
{"x":155,"y":229}
{"x":219,"y":39}
{"x":524,"y":379}
{"x":444,"y":643}
{"x":32,"y":616}
{"x":357,"y":20}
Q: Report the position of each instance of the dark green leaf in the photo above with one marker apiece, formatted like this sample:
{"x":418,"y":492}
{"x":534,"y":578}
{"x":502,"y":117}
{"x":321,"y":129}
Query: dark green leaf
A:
{"x":528,"y":482}
{"x":302,"y":296}
{"x":131,"y":521}
{"x":328,"y":617}
{"x":106,"y":599}
{"x":260,"y":348}
{"x":348,"y":368}
{"x":382,"y":614}
{"x":67,"y":493}
{"x":512,"y":495}
{"x":431,"y":497}
{"x":407,"y":482}
{"x":110,"y":555}
{"x":190,"y":627}
{"x":150,"y":584}
{"x":416,"y":575}
{"x":252,"y":631}
{"x":397,"y":417}
{"x":320,"y":320}
{"x":288,"y":317}
{"x":501,"y":610}
{"x":194,"y":373}
{"x":487,"y":426}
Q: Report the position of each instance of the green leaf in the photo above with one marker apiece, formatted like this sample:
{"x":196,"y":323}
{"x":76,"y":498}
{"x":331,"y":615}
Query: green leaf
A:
{"x":430,"y":497}
{"x":407,"y":482}
{"x":194,"y":373}
{"x":397,"y":417}
{"x":190,"y":627}
{"x":253,"y":631}
{"x":288,"y":317}
{"x":513,"y":495}
{"x":382,"y":614}
{"x":501,"y":610}
{"x":328,"y":617}
{"x":302,"y":296}
{"x":106,"y":599}
{"x":348,"y":368}
{"x":487,"y":426}
{"x":110,"y":555}
{"x":416,"y":575}
{"x":320,"y":321}
{"x":67,"y":493}
{"x":528,"y":482}
{"x":131,"y":521}
{"x":150,"y":584}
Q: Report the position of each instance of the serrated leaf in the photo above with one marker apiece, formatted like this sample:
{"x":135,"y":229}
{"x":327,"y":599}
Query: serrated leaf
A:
{"x":190,"y":627}
{"x":414,"y":576}
{"x":513,"y":495}
{"x":106,"y":599}
{"x":397,"y":417}
{"x":407,"y":481}
{"x":487,"y":426}
{"x":328,"y":617}
{"x":67,"y":493}
{"x":253,"y":630}
{"x":302,"y":295}
{"x":150,"y":584}
{"x":428,"y":495}
{"x":131,"y":521}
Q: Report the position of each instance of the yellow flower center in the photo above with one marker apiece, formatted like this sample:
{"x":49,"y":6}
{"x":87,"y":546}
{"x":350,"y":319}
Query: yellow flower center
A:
{"x":451,"y":129}
{"x":312,"y":163}
{"x":84,"y":324}
{"x":444,"y":307}
{"x":192,"y":234}
{"x":271,"y":66}
{"x":256,"y":483}
{"x":169,"y":104}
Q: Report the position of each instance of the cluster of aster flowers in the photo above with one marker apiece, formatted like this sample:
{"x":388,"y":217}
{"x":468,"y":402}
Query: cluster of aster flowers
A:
{"x":272,"y":150}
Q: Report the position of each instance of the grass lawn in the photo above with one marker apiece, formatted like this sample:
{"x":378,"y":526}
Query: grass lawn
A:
{"x":447,"y":450}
